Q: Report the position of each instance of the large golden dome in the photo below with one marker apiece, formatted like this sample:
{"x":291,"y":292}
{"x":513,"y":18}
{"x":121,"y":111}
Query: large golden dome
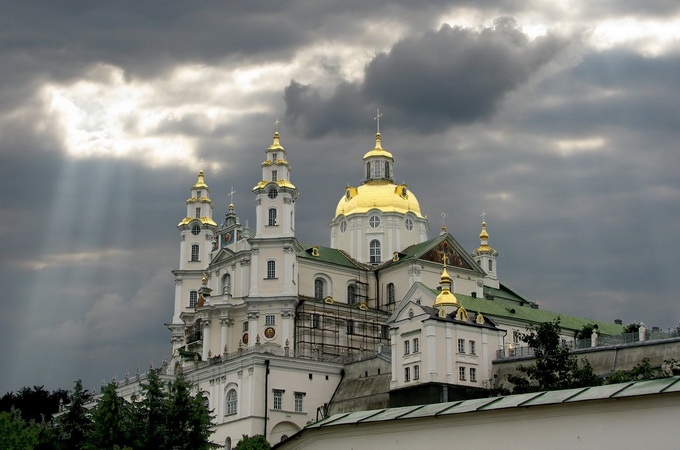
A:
{"x":382,"y":195}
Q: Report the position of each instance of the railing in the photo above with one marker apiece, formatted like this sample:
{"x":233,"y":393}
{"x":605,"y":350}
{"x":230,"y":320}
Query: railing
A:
{"x":602,"y":341}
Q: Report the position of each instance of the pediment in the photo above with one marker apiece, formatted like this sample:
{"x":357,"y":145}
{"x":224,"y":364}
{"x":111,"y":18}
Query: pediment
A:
{"x":446,"y":251}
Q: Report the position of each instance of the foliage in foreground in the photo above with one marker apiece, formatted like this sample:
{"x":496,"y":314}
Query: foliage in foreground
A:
{"x":257,"y":442}
{"x":555,"y":367}
{"x":167,"y":416}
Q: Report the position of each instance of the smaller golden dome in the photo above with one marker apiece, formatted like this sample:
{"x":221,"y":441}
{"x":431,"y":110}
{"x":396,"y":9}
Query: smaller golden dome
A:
{"x":483,"y":234}
{"x":276,"y":145}
{"x":378,"y":150}
{"x":484,"y":241}
{"x":200,"y":184}
{"x":445,"y":297}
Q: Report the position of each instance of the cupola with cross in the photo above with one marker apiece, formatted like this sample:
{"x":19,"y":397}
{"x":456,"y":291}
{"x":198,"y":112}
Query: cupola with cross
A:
{"x":275,"y":195}
{"x":486,"y":257}
{"x":197,"y":229}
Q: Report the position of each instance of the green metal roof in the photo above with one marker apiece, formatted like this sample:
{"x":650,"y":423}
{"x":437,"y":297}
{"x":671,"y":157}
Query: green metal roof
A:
{"x":527,"y":313}
{"x":328,"y":255}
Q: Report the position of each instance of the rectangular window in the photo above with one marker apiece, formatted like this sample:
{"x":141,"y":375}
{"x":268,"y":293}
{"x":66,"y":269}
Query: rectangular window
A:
{"x":198,"y":213}
{"x":199,"y":194}
{"x":461,"y":345}
{"x":271,"y":269}
{"x":473,"y":351}
{"x":516,"y":336}
{"x":490,"y":265}
{"x":350,"y":327}
{"x":407,"y":374}
{"x":461,"y":373}
{"x":384,"y":331}
{"x":298,"y":401}
{"x":416,"y":373}
{"x":270,"y":319}
{"x":245,"y":326}
{"x":193,"y":299}
{"x":316,"y":320}
{"x":416,"y":345}
{"x":473,"y":374}
{"x":278,"y":399}
{"x":406,"y":347}
{"x":195,"y":249}
{"x":275,"y":156}
{"x":272,"y":217}
{"x":275,"y":175}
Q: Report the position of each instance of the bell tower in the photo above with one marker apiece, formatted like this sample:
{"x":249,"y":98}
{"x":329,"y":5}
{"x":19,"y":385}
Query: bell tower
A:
{"x":486,"y":258}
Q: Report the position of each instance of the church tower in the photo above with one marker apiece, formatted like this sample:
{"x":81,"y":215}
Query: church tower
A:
{"x":197,"y":234}
{"x":486,"y":258}
{"x":378,"y":218}
{"x":273,"y":260}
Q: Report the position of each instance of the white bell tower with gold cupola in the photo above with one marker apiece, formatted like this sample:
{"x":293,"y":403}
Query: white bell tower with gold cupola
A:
{"x":486,"y":258}
{"x":197,"y":234}
{"x":273,"y":255}
{"x":379,"y":218}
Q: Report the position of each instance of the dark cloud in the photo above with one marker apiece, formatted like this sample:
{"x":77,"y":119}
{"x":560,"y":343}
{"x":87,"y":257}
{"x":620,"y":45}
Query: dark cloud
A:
{"x":434,"y":80}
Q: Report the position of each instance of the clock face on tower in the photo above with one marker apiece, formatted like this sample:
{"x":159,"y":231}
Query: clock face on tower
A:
{"x":195,"y":229}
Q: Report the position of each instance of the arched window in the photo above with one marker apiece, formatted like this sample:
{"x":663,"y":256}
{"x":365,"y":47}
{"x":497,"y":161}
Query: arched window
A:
{"x":272,"y":217}
{"x":271,"y":269}
{"x":368,"y":170}
{"x":232,"y":402}
{"x":351,"y":294}
{"x":319,"y":289}
{"x":227,"y":443}
{"x":226,"y":284}
{"x":374,"y":251}
{"x":490,"y":265}
{"x":193,"y":299}
{"x":390,"y":293}
{"x":195,"y":251}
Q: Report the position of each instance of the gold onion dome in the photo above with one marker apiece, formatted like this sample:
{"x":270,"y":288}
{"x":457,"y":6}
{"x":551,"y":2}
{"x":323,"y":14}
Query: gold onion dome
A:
{"x":484,"y":241}
{"x":276,"y":145}
{"x":445,"y":297}
{"x":380,"y":194}
{"x":200,"y":184}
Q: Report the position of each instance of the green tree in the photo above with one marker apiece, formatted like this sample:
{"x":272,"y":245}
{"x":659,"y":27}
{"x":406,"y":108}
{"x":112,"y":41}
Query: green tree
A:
{"x":257,"y":442}
{"x":110,"y":420}
{"x":152,"y":413}
{"x":555,"y":366}
{"x":189,"y":420}
{"x":16,"y":433}
{"x":642,"y":371}
{"x":75,"y":424}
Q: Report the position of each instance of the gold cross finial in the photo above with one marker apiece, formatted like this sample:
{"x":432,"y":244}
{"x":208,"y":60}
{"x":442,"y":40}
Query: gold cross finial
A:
{"x":445,"y":259}
{"x":377,"y":120}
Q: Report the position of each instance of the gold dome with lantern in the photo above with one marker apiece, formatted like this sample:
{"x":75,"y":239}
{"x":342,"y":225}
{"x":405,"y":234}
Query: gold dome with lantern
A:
{"x":378,"y":190}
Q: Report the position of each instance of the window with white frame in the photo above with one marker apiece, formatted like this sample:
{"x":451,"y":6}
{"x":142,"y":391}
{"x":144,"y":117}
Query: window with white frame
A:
{"x":193,"y":299}
{"x":270,"y":319}
{"x":299,"y":396}
{"x":278,"y":398}
{"x":406,"y":347}
{"x":471,"y":345}
{"x":461,"y":373}
{"x":271,"y":269}
{"x":461,"y":345}
{"x":407,"y":374}
{"x":390,"y":293}
{"x":319,"y":288}
{"x":374,"y":251}
{"x":232,"y":402}
{"x":416,"y":373}
{"x":473,"y":374}
{"x":416,"y":345}
{"x":272,"y":217}
{"x":199,"y":194}
{"x":195,"y":252}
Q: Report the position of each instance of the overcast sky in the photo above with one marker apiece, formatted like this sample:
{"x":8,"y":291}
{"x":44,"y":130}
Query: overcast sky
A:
{"x":560,"y":121}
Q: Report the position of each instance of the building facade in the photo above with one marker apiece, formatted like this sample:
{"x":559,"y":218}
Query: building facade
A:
{"x":263,"y":323}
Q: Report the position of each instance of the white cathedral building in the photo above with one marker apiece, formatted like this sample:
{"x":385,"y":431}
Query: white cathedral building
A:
{"x":265,"y":324}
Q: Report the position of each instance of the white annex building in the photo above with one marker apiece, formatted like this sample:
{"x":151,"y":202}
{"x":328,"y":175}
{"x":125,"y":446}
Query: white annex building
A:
{"x":265,"y":324}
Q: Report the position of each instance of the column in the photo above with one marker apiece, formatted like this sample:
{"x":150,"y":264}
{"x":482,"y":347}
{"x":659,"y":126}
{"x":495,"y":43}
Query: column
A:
{"x":206,"y":339}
